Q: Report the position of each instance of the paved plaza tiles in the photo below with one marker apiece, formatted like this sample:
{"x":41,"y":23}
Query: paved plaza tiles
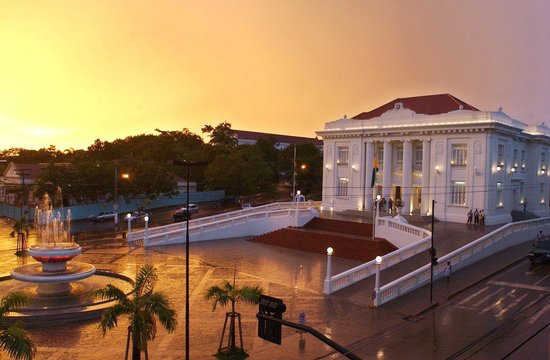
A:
{"x":296,"y":277}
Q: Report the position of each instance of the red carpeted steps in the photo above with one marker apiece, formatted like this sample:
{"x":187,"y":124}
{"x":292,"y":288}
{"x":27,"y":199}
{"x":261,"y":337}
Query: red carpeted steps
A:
{"x":350,"y":240}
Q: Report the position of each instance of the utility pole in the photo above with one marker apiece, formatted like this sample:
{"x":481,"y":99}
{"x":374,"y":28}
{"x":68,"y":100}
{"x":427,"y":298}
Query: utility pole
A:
{"x":294,"y":176}
{"x":433,"y":258}
{"x":24,"y":187}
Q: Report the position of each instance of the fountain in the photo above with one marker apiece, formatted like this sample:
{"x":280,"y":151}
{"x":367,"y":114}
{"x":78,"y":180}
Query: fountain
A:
{"x":54,"y":250}
{"x":57,"y":286}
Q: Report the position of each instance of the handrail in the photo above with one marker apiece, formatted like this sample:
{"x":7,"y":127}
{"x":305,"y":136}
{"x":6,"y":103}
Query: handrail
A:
{"x":361,"y":272}
{"x":486,"y":245}
{"x":174,"y":231}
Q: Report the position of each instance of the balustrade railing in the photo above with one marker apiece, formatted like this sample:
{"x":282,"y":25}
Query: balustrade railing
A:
{"x":489,"y":244}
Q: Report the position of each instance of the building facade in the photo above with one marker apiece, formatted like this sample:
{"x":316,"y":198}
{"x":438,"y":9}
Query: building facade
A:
{"x":437,"y":147}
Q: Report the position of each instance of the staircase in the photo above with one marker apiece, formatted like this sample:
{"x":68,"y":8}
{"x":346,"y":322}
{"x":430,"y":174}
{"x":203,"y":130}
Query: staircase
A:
{"x":522,"y":215}
{"x":350,"y":240}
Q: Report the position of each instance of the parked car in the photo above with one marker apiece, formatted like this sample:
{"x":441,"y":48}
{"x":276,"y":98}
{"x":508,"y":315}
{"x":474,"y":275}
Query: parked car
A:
{"x":540,"y":252}
{"x":246,"y":206}
{"x":103,"y":216}
{"x":138,"y":215}
{"x":184,"y":214}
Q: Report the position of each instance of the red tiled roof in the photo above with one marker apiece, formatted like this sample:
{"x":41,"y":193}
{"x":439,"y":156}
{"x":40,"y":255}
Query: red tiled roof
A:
{"x":428,"y":105}
{"x":286,"y":139}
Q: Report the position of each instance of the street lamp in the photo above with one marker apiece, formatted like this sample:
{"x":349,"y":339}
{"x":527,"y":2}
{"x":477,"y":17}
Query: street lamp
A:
{"x":294,"y":175}
{"x":146,"y":218}
{"x":433,"y":258}
{"x":115,"y":204}
{"x":378,"y":260}
{"x":188,"y":165}
{"x":375,"y":214}
{"x":129,"y":219}
{"x":327,"y":289}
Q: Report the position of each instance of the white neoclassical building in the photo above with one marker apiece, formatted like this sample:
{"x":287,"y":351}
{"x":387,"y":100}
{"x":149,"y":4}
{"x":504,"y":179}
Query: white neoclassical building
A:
{"x":440,"y":148}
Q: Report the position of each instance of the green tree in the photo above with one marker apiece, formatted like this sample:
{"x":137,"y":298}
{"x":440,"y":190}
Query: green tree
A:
{"x":15,"y":340}
{"x":21,"y":227}
{"x":229,"y":293}
{"x":243,"y":171}
{"x":221,"y":135}
{"x":142,"y":309}
{"x":309,"y":168}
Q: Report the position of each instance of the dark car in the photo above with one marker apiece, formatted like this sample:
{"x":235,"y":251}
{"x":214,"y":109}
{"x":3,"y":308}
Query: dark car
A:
{"x":540,"y":251}
{"x":182,"y":215}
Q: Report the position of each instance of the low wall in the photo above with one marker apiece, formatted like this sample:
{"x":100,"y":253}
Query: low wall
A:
{"x":490,"y":244}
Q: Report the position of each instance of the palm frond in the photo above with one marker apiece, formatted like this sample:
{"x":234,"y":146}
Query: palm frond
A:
{"x":159,"y":305}
{"x":145,"y":279}
{"x":12,"y":301}
{"x":110,"y":292}
{"x":219,"y":295}
{"x":17,"y":343}
{"x":109,"y":319}
{"x":250,"y":294}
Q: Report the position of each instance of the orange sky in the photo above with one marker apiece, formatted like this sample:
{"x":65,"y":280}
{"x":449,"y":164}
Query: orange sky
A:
{"x":72,"y":71}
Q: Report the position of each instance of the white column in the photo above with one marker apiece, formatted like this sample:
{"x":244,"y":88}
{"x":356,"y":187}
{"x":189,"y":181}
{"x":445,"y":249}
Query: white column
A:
{"x":407,"y":176}
{"x":426,"y":199}
{"x":368,"y":175}
{"x":387,"y":171}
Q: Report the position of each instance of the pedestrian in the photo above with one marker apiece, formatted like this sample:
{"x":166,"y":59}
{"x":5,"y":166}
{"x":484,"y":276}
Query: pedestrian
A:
{"x":482,"y":217}
{"x":448,"y":270}
{"x":383,"y":201}
{"x":470,"y":215}
{"x":538,"y":238}
{"x":390,"y":206}
{"x":476,"y":217}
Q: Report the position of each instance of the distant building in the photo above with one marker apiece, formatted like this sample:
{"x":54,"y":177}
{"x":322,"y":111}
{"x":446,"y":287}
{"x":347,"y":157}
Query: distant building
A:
{"x":282,"y":141}
{"x":17,"y":176}
{"x":437,"y":147}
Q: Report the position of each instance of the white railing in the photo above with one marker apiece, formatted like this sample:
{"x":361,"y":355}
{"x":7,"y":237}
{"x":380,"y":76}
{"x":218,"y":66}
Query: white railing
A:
{"x":498,"y":240}
{"x":361,"y":272}
{"x":232,"y":224}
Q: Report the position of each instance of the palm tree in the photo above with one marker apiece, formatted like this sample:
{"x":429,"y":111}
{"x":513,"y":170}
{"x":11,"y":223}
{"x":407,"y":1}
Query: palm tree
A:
{"x":22,"y":228}
{"x":231,"y":293}
{"x":142,"y":309}
{"x":14,"y":340}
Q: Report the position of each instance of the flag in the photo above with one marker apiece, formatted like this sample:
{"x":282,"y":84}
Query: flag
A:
{"x":374,"y":171}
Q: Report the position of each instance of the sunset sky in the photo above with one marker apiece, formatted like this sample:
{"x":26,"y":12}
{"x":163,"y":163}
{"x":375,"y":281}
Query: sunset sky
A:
{"x":72,"y":71}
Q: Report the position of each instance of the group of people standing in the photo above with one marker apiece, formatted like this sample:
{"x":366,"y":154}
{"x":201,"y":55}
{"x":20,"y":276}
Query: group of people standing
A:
{"x":477,"y":216}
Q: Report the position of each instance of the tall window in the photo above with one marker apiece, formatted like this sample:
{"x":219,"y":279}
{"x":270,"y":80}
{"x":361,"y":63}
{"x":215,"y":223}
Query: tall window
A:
{"x":399,"y":158}
{"x":523,"y":163}
{"x":417,"y":158}
{"x":342,"y":190}
{"x":458,"y":193}
{"x":343,"y":154}
{"x":542,"y":193}
{"x":500,"y":195}
{"x":515,"y":164}
{"x":500,"y":155}
{"x":521,"y":193}
{"x":380,"y":154}
{"x":543,"y":160}
{"x":459,"y":154}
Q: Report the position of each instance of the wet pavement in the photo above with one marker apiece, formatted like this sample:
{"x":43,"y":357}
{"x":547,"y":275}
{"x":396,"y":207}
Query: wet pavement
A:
{"x":346,"y":317}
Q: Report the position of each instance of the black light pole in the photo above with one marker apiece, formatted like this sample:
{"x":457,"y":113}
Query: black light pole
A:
{"x":187,"y":164}
{"x":433,"y":259}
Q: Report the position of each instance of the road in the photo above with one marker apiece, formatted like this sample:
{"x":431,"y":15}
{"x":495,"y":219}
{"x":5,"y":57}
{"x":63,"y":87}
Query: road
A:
{"x":506,"y":316}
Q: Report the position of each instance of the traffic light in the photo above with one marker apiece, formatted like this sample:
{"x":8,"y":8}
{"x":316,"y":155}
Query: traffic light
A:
{"x":433,"y":256}
{"x":268,"y":329}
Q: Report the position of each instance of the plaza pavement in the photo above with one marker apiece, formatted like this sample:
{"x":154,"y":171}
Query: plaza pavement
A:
{"x":297,"y":277}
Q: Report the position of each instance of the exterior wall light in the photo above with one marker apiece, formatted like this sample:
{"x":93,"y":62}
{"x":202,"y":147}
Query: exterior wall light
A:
{"x":513,"y":170}
{"x":498,"y":168}
{"x":542,"y":171}
{"x":437,"y":169}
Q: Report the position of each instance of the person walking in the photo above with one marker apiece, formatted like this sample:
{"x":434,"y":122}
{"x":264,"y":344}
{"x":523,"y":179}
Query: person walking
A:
{"x":447,"y":271}
{"x":470,"y":215}
{"x":390,"y":206}
{"x":482,"y":217}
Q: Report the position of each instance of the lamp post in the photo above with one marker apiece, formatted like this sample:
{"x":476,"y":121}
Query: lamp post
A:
{"x":374,"y":215}
{"x":115,"y":204}
{"x":329,"y":270}
{"x":146,"y":218}
{"x":294,"y":175}
{"x":433,"y":258}
{"x":129,"y":219}
{"x":187,"y":165}
{"x":378,"y":260}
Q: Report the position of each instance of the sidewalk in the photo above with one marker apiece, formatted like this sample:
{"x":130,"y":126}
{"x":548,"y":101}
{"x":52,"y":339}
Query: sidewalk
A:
{"x":296,"y":277}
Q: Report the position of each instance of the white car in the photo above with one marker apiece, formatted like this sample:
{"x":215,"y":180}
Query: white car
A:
{"x":103,"y":216}
{"x":184,"y":214}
